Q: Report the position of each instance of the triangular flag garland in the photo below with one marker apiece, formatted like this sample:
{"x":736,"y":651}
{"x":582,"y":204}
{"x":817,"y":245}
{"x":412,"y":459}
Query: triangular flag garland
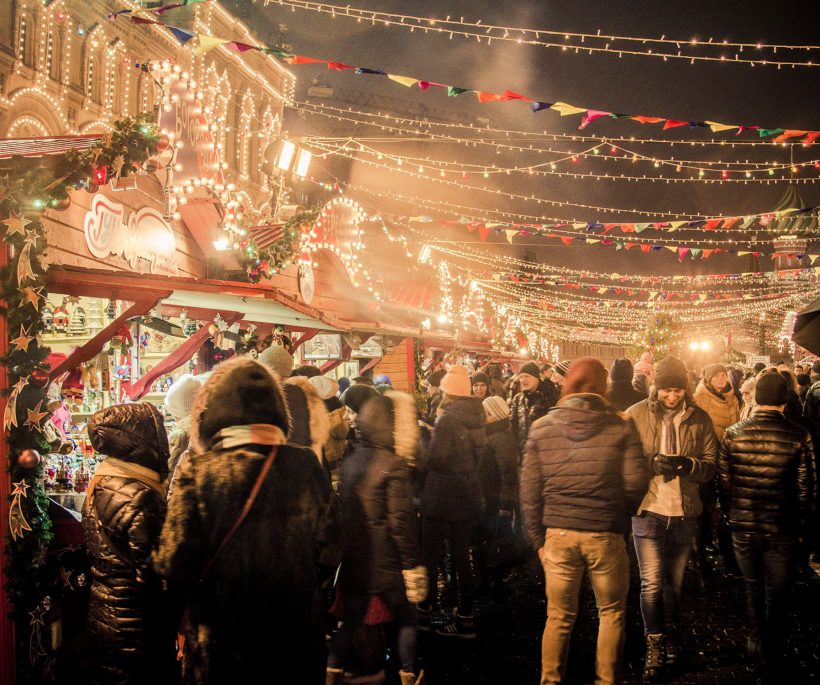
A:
{"x":589,"y":115}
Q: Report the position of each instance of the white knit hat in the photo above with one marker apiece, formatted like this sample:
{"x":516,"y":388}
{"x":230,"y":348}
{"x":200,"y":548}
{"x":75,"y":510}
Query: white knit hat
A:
{"x":181,"y":395}
{"x":496,"y":408}
{"x":277,"y":358}
{"x":325,"y":387}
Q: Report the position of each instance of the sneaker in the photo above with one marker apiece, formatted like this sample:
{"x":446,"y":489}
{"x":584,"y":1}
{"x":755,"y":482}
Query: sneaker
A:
{"x":458,"y":626}
{"x":424,"y":618}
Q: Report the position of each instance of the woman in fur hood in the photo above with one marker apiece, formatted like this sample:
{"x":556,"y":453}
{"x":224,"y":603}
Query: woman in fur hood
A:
{"x":381,"y":555}
{"x":253,"y":598}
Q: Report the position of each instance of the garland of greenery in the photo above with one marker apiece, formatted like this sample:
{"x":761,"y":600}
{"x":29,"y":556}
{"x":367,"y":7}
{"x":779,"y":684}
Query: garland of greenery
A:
{"x":33,"y":186}
{"x":267,"y":261}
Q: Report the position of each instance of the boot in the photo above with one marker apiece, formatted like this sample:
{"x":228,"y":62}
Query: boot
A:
{"x":672,"y":644}
{"x":334,"y":676}
{"x":655,"y":657}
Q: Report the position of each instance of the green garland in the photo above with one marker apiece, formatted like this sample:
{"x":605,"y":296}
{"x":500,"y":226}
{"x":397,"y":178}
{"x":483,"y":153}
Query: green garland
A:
{"x":34,"y":186}
{"x":267,"y":261}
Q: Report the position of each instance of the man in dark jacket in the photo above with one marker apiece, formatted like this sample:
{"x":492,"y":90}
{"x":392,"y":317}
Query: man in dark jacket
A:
{"x":381,"y":556}
{"x":529,"y":404}
{"x":584,"y":474}
{"x":811,"y":415}
{"x":766,"y":484}
{"x":621,"y":393}
{"x":130,"y":626}
{"x":681,"y":450}
{"x":255,"y":607}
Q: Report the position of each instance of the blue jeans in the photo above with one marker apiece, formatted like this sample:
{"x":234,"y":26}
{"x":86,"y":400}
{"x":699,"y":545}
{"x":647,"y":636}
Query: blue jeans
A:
{"x":767,"y":563}
{"x":663,"y":545}
{"x":355,"y":608}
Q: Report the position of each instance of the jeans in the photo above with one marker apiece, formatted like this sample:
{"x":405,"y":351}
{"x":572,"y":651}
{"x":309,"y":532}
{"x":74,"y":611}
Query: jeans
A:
{"x":355,"y":608}
{"x":459,"y":533}
{"x":663,"y":545}
{"x":766,"y":561}
{"x":567,"y":553}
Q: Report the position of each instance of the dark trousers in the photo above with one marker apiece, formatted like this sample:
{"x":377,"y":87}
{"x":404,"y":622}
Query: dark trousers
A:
{"x":459,"y":533}
{"x":766,"y":561}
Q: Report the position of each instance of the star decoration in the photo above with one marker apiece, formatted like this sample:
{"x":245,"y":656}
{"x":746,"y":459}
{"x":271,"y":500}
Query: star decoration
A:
{"x":32,"y":237}
{"x":16,"y":224}
{"x":20,"y":384}
{"x":36,"y":616}
{"x":20,"y":488}
{"x":35,"y":416}
{"x":23,"y":340}
{"x":65,"y":576}
{"x":32,"y":295}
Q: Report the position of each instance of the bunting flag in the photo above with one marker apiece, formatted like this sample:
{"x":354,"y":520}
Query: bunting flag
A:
{"x":588,"y":114}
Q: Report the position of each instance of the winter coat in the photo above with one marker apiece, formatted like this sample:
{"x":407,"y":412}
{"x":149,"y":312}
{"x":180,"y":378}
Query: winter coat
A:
{"x":179,"y":442}
{"x":765,"y":475}
{"x":811,"y":406}
{"x":257,"y":615}
{"x":622,"y":395}
{"x":378,"y":516}
{"x":498,"y":468}
{"x":722,"y":408}
{"x":309,"y":421}
{"x":452,"y":489}
{"x":584,"y":469}
{"x":550,"y":391}
{"x":130,"y":629}
{"x":526,"y":407}
{"x":339,"y":428}
{"x":697,"y":440}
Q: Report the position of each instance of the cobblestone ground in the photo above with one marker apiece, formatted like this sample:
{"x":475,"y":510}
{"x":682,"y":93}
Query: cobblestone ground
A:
{"x":507,"y":649}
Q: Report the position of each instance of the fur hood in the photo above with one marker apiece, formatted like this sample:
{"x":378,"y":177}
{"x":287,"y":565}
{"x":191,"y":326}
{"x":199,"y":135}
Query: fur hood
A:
{"x":390,"y":422}
{"x":239,"y":392}
{"x":309,"y":420}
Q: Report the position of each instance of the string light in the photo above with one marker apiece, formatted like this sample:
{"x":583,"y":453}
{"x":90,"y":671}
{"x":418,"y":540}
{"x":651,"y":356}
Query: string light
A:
{"x":580,"y":43}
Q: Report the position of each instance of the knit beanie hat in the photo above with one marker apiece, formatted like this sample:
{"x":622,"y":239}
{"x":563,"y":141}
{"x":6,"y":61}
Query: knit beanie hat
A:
{"x":815,"y":368}
{"x":586,"y":374}
{"x":621,"y":370}
{"x":435,"y":377}
{"x":496,"y":408}
{"x":181,"y":396}
{"x":670,"y":372}
{"x":325,"y":387}
{"x":644,"y":365}
{"x":803,"y":379}
{"x":306,"y":370}
{"x":456,"y":382}
{"x":356,"y":395}
{"x":383,"y":379}
{"x":480,"y":377}
{"x":531,"y":369}
{"x":712,"y":370}
{"x":771,"y":389}
{"x":344,"y":384}
{"x":278,"y":359}
{"x":561,"y":368}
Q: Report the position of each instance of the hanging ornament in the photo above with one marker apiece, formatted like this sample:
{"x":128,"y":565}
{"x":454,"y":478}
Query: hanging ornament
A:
{"x":39,"y":378}
{"x":163,"y":142}
{"x":28,"y":458}
{"x":100,"y":175}
{"x":22,"y":341}
{"x":16,"y":224}
{"x":32,"y":296}
{"x":24,"y":270}
{"x":17,"y":520}
{"x":35,"y":416}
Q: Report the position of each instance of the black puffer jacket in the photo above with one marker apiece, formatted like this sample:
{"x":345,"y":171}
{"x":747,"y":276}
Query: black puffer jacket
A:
{"x":499,"y":468}
{"x":452,"y":489}
{"x":131,"y":631}
{"x":622,"y":395}
{"x":527,"y":407}
{"x":257,"y":615}
{"x":584,"y":469}
{"x":811,"y":406}
{"x":766,"y":477}
{"x":378,"y":517}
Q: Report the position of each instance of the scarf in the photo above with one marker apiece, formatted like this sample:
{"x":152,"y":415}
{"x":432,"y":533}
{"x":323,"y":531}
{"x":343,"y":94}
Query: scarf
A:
{"x":251,"y":434}
{"x":671,"y":446}
{"x":111,"y":466}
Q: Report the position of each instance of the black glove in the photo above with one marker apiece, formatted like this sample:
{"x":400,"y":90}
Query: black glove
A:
{"x":664,"y":466}
{"x":685,"y":466}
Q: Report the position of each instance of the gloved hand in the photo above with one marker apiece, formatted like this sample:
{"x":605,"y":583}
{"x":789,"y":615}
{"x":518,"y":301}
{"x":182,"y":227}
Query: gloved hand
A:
{"x":664,"y":466}
{"x":685,"y":466}
{"x":416,"y":584}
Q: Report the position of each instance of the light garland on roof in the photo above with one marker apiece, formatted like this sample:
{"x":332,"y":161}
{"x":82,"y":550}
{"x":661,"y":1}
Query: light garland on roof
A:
{"x":581,"y":43}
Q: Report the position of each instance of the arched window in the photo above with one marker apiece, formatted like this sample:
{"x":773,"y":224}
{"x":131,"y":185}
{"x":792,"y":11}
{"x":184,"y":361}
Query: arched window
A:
{"x":25,"y":39}
{"x":146,"y":95}
{"x":54,"y":54}
{"x":246,"y":137}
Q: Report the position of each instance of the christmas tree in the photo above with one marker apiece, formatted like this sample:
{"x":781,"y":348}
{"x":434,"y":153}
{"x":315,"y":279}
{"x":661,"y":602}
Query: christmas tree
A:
{"x":661,"y":337}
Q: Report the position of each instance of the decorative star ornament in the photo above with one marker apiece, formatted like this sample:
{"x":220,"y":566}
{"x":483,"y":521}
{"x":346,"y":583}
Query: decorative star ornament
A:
{"x":35,"y":416}
{"x":20,"y":488}
{"x":36,"y":616}
{"x":16,"y":224}
{"x":32,"y":237}
{"x":23,"y":340}
{"x":65,"y":576}
{"x":20,"y":384}
{"x":32,"y":296}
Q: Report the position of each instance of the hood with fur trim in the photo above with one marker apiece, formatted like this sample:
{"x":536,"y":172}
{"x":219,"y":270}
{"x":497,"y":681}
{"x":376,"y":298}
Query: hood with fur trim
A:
{"x":390,"y":422}
{"x":309,"y":419}
{"x":239,"y":392}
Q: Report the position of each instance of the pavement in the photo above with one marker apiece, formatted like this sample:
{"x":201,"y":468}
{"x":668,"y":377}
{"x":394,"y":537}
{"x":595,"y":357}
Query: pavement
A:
{"x":712,"y":624}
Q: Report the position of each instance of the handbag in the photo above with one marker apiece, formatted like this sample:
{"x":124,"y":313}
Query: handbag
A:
{"x":257,"y":486}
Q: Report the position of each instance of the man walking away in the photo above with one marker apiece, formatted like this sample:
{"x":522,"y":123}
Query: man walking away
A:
{"x":766,"y":484}
{"x":681,"y":450}
{"x":584,"y":474}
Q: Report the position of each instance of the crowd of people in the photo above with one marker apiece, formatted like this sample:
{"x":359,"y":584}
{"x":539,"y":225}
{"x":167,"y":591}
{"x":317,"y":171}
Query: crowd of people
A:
{"x":288,"y":516}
